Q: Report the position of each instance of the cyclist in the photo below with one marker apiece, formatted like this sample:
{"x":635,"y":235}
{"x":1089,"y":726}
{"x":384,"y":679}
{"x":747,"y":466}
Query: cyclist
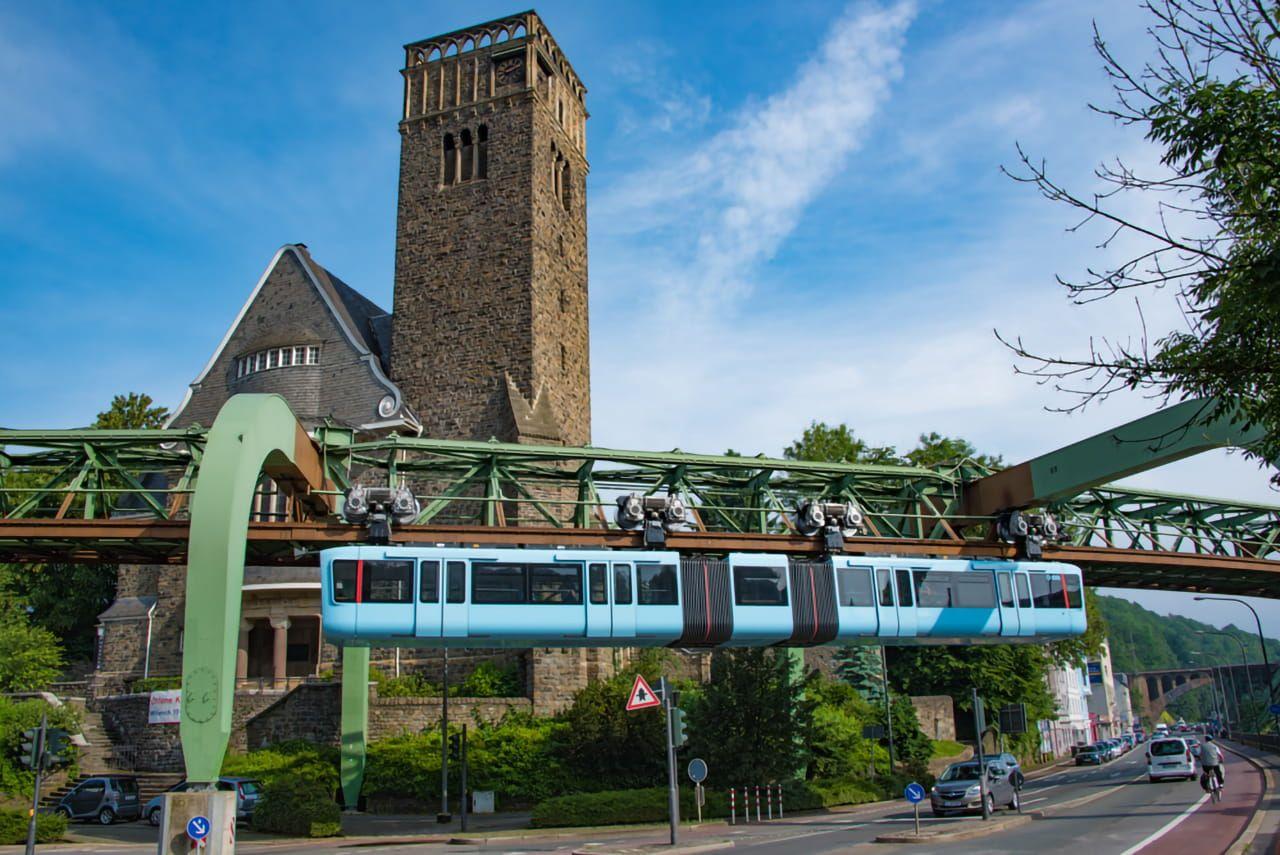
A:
{"x":1211,"y":761}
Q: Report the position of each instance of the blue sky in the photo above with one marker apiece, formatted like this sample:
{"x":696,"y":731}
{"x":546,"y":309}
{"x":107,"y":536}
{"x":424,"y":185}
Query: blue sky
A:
{"x":800,"y":204}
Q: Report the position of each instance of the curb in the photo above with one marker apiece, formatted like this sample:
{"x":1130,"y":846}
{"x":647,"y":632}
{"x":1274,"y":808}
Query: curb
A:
{"x":1250,"y":833}
{"x":981,"y":830}
{"x":659,"y":847}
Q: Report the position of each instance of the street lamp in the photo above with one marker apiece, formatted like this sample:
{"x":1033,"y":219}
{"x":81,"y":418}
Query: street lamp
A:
{"x":1244,"y":663}
{"x":1213,"y":687}
{"x":1262,"y":640}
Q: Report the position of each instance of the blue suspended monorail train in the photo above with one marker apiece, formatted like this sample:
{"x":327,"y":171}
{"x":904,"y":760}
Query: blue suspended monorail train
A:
{"x":410,"y":596}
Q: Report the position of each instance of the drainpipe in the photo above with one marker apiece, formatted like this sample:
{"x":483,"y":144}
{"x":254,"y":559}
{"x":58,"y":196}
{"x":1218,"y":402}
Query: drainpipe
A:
{"x":146,"y":662}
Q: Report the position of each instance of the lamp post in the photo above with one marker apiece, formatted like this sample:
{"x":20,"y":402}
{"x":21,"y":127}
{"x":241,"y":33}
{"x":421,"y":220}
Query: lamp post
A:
{"x":1244,"y":663}
{"x":1262,"y":641}
{"x":1213,"y":685}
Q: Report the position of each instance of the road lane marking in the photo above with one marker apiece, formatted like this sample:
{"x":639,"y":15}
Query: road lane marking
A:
{"x":1169,"y":826}
{"x":1033,"y":801}
{"x":1044,"y":789}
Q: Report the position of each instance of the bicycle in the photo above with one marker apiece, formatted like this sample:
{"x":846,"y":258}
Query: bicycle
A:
{"x":1209,"y":781}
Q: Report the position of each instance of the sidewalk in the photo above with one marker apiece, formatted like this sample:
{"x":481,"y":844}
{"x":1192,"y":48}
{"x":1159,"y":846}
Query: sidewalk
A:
{"x":425,"y":825}
{"x":1262,"y":836}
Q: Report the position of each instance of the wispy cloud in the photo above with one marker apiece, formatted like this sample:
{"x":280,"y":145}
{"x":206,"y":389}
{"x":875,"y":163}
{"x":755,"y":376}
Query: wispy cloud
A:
{"x":726,"y":206}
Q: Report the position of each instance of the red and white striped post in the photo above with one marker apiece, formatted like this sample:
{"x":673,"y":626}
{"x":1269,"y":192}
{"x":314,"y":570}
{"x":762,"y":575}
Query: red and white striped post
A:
{"x":768,"y":797}
{"x":758,"y":816}
{"x":733,"y":808}
{"x":779,"y":801}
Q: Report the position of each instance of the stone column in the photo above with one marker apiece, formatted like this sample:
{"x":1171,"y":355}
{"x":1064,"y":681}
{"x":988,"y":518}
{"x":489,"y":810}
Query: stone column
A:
{"x":242,"y":650}
{"x":280,"y":650}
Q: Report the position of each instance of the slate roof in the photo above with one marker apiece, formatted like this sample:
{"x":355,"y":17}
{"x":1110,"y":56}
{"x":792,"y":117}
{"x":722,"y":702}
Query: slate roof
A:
{"x":364,"y":317}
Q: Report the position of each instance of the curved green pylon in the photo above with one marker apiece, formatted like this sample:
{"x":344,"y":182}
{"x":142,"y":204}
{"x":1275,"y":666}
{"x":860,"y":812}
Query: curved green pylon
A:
{"x":251,"y":434}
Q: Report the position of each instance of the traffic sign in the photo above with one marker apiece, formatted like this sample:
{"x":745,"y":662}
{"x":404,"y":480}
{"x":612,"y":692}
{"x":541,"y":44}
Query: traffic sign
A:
{"x":1274,"y":709}
{"x":697,"y":770}
{"x":198,"y":828}
{"x":914,"y":793}
{"x":642,"y":697}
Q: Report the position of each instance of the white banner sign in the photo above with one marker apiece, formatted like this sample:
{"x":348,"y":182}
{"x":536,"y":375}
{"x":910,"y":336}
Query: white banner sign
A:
{"x":165,"y":707}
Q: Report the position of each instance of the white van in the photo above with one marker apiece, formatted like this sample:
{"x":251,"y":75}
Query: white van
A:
{"x":1169,"y":757}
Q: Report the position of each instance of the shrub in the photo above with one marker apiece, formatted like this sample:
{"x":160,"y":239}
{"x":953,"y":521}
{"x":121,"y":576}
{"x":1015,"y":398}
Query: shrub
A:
{"x":156,"y":684}
{"x":288,"y":761}
{"x":19,"y":716}
{"x":490,"y":681}
{"x":13,"y":827}
{"x":300,"y":807}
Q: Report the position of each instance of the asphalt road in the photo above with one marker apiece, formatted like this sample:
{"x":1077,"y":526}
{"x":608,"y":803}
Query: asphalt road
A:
{"x":1127,"y":815}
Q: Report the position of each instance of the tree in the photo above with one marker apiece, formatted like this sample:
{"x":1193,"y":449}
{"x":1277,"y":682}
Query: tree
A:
{"x":32,"y":659}
{"x":859,"y":665}
{"x":748,"y":721}
{"x":934,"y":449}
{"x":838,"y":444}
{"x":132,"y":410}
{"x":1210,"y":232}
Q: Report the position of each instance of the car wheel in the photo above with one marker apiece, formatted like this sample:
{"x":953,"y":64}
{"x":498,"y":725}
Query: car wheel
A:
{"x":63,"y":811}
{"x":1013,"y":802}
{"x":991,"y":803}
{"x":154,"y":817}
{"x":106,"y":816}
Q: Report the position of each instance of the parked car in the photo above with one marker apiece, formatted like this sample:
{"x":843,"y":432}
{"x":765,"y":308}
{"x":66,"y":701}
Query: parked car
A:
{"x":105,"y":798}
{"x":1117,"y":748}
{"x":1015,"y":768}
{"x":1169,"y":757}
{"x":1091,"y":755}
{"x":960,"y":788}
{"x":248,"y":791}
{"x":1193,"y":743}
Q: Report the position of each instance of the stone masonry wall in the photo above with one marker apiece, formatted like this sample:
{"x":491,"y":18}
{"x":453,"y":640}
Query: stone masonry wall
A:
{"x":937,"y":716}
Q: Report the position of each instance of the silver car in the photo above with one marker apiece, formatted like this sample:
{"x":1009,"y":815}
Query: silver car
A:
{"x":960,"y":789}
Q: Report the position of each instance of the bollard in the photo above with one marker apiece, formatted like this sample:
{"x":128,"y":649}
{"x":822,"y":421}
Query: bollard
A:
{"x":768,"y":797}
{"x":746,"y":804}
{"x":733,"y":809}
{"x":779,"y":801}
{"x":758,"y":814}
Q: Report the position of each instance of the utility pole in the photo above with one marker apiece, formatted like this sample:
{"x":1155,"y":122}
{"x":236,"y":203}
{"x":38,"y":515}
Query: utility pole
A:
{"x":463,"y":783}
{"x":444,"y":816}
{"x":888,"y":704}
{"x":37,"y":755}
{"x":979,"y":726}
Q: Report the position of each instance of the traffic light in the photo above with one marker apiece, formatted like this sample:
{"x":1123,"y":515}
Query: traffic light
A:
{"x":455,"y":746}
{"x":57,"y":748}
{"x":30,"y":741}
{"x":678,"y":736}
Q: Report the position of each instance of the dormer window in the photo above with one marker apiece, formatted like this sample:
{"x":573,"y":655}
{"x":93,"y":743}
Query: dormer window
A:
{"x":277,"y":357}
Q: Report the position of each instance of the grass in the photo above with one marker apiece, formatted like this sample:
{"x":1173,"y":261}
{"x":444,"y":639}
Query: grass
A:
{"x":946,"y":748}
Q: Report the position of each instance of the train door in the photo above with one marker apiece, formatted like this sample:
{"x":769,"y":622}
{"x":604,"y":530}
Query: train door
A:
{"x":386,"y":597}
{"x":856,"y":600}
{"x":906,"y":603}
{"x":624,"y":608}
{"x":1026,"y":615}
{"x":428,"y":599}
{"x":1010,"y":622}
{"x":455,"y":621}
{"x":886,"y":607}
{"x":599,"y":615}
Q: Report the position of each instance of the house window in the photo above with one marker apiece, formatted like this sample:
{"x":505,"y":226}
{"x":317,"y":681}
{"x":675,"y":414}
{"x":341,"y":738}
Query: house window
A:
{"x":277,"y":357}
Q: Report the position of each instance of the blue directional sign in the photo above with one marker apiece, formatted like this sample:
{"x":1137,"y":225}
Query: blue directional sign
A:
{"x":697,"y":770}
{"x":198,"y":828}
{"x":1274,"y":709}
{"x":914,"y":793}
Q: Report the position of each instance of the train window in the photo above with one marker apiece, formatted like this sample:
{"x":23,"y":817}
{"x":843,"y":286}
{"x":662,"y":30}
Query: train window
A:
{"x":456,"y":582}
{"x":622,"y":584}
{"x":974,"y":591}
{"x":886,"y":586}
{"x":429,"y":582}
{"x":760,"y":586}
{"x":497,"y":584}
{"x":555,"y":584}
{"x":388,"y":582}
{"x":1044,"y":592}
{"x":344,"y":581}
{"x":599,"y":582}
{"x":1074,"y":596}
{"x":1006,"y":589}
{"x":656,"y":585}
{"x":904,"y":587}
{"x":1024,"y":593}
{"x":933,"y":589}
{"x":855,"y":586}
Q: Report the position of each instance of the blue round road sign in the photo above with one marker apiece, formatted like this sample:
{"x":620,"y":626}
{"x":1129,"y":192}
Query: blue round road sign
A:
{"x":697,"y":770}
{"x":1275,"y":709}
{"x":914,"y":793}
{"x":198,"y":827}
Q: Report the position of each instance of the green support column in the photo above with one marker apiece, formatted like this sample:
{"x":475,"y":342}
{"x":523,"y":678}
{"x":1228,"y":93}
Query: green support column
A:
{"x":252,"y":434}
{"x":355,"y":721}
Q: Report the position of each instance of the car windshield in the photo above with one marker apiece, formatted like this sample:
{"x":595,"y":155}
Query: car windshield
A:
{"x":128,"y":786}
{"x":249,"y":788}
{"x":1167,"y":747}
{"x":967,"y":772}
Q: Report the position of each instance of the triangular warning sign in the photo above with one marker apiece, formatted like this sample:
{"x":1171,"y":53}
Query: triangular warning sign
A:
{"x":642,"y":697}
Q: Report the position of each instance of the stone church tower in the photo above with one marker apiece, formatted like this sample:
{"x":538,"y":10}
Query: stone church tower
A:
{"x":490,"y":317}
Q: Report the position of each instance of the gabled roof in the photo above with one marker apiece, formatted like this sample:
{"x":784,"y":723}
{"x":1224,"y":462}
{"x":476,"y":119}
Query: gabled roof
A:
{"x":365,"y":325}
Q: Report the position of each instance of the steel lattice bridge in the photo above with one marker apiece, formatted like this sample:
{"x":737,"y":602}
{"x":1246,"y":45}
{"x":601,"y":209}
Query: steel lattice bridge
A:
{"x":196,"y":496}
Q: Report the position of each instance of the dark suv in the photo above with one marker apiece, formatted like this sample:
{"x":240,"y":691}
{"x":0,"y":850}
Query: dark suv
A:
{"x":105,"y":798}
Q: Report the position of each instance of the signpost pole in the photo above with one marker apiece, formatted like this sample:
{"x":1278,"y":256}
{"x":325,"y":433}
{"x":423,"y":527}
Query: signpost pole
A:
{"x":38,"y":765}
{"x":673,"y":791}
{"x":979,"y":726}
{"x":443,"y":816}
{"x":917,"y":808}
{"x":463,"y":783}
{"x":914,"y":793}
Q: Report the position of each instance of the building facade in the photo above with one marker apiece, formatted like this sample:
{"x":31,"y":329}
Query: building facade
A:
{"x":488,"y":338}
{"x":1102,"y":695}
{"x":1070,"y":690}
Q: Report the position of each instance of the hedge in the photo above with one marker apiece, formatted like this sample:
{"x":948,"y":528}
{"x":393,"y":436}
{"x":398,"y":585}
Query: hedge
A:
{"x":618,"y":807}
{"x":50,"y":827}
{"x":288,"y":761}
{"x":297,"y":806}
